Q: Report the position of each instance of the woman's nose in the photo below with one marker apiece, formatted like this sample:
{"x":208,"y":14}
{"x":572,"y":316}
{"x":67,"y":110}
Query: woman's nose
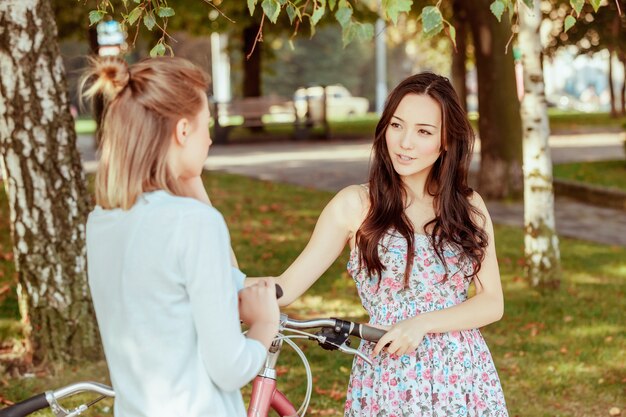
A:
{"x":407,"y":141}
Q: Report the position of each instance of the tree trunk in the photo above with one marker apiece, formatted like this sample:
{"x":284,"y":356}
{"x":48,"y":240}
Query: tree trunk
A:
{"x":252,"y":68}
{"x":45,"y":185}
{"x":622,"y":59}
{"x":252,"y":65}
{"x":541,"y":241}
{"x":459,"y":58}
{"x":499,"y":124}
{"x":623,"y":91}
{"x":611,"y":89}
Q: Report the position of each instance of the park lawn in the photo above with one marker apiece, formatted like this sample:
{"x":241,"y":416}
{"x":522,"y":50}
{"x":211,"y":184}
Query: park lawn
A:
{"x":603,"y":173}
{"x":561,"y":354}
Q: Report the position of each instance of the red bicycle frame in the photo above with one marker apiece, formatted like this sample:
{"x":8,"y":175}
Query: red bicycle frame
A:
{"x":265,"y":395}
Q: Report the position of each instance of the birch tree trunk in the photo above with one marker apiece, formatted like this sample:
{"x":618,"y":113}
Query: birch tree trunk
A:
{"x":541,"y":241}
{"x":45,"y":184}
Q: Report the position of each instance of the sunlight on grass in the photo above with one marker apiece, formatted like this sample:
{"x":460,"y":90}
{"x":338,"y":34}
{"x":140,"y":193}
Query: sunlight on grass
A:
{"x":560,"y":354}
{"x":85,"y":126}
{"x":309,"y":305}
{"x":603,"y":173}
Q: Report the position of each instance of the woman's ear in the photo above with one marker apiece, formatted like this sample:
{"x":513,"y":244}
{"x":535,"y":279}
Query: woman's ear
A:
{"x":182,"y":131}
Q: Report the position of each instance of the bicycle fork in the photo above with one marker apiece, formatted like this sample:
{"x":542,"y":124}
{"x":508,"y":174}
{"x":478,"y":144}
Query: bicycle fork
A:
{"x":264,"y":392}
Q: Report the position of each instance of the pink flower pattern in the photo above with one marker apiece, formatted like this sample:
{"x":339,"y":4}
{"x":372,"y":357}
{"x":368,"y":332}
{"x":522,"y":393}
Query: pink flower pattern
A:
{"x":450,"y":374}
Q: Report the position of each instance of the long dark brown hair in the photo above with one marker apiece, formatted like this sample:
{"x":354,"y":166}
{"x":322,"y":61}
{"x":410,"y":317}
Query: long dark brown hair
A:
{"x":455,"y":216}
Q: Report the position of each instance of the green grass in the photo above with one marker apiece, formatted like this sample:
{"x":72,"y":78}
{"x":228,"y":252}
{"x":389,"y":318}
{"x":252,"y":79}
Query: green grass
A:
{"x":85,"y":126}
{"x":604,"y":173}
{"x":558,"y":355}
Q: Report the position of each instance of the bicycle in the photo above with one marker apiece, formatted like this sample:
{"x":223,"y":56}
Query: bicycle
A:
{"x":334,"y":334}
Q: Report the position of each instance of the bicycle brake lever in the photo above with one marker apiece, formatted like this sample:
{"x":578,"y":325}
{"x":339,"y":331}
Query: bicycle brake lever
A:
{"x":345,"y":349}
{"x":78,"y":410}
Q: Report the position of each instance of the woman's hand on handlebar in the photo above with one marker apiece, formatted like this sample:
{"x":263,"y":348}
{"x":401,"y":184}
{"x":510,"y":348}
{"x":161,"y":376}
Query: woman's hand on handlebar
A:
{"x":402,"y":338}
{"x":258,"y":308}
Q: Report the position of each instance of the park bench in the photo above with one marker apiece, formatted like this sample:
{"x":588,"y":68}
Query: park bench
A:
{"x":258,"y":112}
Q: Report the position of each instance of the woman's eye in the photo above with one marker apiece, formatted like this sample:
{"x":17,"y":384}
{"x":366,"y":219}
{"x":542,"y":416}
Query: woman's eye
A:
{"x":395,"y":125}
{"x":424,"y":132}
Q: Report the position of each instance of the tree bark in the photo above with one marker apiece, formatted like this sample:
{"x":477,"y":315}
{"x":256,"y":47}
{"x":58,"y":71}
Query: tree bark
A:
{"x":541,"y":241}
{"x":252,"y":68}
{"x":45,"y":184}
{"x":611,"y":89}
{"x":459,"y":58}
{"x":623,"y":91}
{"x":252,"y":65}
{"x":499,"y":124}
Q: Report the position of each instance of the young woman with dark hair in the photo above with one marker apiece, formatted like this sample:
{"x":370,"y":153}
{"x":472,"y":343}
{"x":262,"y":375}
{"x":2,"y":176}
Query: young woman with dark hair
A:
{"x":419,"y":237}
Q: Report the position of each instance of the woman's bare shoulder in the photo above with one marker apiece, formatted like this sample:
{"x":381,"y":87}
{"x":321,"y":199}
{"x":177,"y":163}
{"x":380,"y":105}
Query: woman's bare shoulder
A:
{"x":353,"y":203}
{"x":478,"y":203}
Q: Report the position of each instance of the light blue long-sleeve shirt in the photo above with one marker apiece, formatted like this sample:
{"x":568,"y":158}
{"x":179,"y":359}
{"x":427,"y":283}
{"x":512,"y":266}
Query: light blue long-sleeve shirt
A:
{"x":165,"y":297}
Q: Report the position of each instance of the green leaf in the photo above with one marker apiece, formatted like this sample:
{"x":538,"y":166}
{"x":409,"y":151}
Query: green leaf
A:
{"x":432,"y":21}
{"x":497,"y":8}
{"x":529,"y":3}
{"x":271,"y":8}
{"x":577,"y":5}
{"x":251,"y":6}
{"x":158,"y":50}
{"x":569,"y":22}
{"x":394,"y":7}
{"x":95,"y":16}
{"x":364,"y":31}
{"x":317,"y":15}
{"x":165,"y":12}
{"x":331,"y":4}
{"x":348,"y":33}
{"x":292,"y":13}
{"x":343,"y":16}
{"x":148,"y":20}
{"x":452,"y":33}
{"x":134,"y":15}
{"x":595,"y":4}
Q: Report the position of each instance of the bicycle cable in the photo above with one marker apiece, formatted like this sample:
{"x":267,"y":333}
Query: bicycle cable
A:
{"x":309,"y":375}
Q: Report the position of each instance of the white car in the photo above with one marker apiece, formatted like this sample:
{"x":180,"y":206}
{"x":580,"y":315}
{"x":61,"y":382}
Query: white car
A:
{"x":339,"y":102}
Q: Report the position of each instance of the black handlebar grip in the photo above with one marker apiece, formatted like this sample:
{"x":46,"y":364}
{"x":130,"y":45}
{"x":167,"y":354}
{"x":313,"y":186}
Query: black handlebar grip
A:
{"x":371,"y":334}
{"x":25,"y":407}
{"x":279,"y":293}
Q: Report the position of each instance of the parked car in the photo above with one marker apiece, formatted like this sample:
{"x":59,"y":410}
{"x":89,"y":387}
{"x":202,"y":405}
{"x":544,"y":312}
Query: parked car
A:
{"x":339,"y":102}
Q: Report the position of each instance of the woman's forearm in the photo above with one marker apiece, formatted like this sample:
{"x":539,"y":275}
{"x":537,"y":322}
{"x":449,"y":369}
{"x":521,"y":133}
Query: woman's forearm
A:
{"x":478,"y":311}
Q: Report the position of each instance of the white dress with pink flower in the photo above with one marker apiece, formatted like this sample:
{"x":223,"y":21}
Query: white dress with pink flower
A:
{"x":450,"y":374}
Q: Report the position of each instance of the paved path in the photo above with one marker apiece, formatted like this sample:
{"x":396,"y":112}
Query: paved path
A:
{"x":334,"y":165}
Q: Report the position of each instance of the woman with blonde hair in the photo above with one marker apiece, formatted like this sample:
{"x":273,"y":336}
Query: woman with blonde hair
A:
{"x":160,"y":270}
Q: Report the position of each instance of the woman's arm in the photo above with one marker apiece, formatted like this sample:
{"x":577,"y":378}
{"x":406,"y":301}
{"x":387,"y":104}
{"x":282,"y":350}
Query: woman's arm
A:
{"x":337,"y":223}
{"x":486,"y":307}
{"x":230,"y":359}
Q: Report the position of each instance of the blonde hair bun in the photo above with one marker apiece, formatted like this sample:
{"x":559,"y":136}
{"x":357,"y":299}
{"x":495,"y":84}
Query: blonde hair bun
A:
{"x":109,"y":76}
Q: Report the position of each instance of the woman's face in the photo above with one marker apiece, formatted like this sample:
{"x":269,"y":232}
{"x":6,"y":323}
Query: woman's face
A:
{"x":414,"y":135}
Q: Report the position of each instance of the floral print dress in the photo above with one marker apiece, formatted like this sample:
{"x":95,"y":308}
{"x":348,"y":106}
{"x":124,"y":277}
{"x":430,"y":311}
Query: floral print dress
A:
{"x":450,"y":374}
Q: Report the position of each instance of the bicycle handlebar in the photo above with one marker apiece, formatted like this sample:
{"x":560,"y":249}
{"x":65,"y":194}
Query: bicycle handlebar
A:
{"x":49,"y":398}
{"x":365,"y":332}
{"x":25,"y":407}
{"x":78,"y":387}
